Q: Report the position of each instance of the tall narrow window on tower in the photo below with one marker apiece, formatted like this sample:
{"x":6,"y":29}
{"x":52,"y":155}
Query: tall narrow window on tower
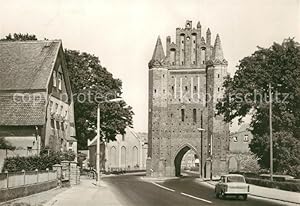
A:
{"x":172,"y":56}
{"x":182,"y":39}
{"x":202,"y":55}
{"x":193,"y":52}
{"x":194,"y":115}
{"x":175,"y":86}
{"x":201,"y":119}
{"x":192,"y":85}
{"x":182,"y":115}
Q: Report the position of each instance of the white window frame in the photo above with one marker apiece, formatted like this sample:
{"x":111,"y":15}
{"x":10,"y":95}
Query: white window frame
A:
{"x":60,"y":81}
{"x":246,"y":138}
{"x":54,"y":79}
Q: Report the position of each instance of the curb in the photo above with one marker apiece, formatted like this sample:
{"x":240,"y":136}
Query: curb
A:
{"x":157,"y":179}
{"x":270,"y":198}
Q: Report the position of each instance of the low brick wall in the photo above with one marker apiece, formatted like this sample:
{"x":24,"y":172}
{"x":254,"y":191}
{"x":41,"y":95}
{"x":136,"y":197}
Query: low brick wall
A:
{"x":22,"y":191}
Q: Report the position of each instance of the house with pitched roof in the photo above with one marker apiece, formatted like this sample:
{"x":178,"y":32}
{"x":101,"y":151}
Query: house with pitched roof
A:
{"x":36,"y":104}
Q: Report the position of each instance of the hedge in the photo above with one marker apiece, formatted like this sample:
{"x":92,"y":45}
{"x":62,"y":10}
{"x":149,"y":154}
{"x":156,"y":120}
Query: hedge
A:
{"x":287,"y":185}
{"x":41,"y":162}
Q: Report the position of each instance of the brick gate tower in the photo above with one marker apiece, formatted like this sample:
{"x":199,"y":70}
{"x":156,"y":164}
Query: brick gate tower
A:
{"x":184,"y":85}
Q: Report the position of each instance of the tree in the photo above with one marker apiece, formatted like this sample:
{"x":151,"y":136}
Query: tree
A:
{"x":19,"y":37}
{"x":4,"y":144}
{"x":286,"y":152}
{"x":92,"y":81}
{"x":247,"y":93}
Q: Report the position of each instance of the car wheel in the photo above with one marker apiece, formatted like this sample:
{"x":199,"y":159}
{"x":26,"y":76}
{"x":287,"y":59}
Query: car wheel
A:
{"x":245,"y":197}
{"x":223,"y":196}
{"x":217,"y":195}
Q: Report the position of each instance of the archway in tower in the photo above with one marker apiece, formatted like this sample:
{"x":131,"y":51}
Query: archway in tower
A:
{"x":186,"y":161}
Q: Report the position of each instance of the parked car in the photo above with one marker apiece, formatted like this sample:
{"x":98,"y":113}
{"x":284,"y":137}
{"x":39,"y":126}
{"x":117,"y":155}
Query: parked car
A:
{"x":232,"y":185}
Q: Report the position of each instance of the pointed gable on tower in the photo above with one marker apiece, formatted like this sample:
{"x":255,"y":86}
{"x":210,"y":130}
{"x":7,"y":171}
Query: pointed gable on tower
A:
{"x":217,"y":54}
{"x":158,"y":56}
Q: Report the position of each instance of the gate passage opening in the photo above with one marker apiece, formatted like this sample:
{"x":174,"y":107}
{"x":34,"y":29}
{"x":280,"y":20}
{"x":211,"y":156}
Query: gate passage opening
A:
{"x":187,"y":162}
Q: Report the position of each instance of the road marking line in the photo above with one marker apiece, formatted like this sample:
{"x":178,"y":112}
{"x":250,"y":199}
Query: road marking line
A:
{"x":163,"y":187}
{"x":197,"y":198}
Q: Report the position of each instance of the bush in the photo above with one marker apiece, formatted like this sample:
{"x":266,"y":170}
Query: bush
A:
{"x":289,"y":186}
{"x":42,"y":162}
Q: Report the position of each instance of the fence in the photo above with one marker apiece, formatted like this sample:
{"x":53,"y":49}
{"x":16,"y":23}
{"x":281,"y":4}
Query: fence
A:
{"x":17,"y":179}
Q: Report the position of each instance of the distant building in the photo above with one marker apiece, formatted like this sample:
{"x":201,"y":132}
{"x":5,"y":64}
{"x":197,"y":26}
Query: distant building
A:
{"x":240,"y":157}
{"x":72,"y":144}
{"x":189,"y":160}
{"x":240,"y":140}
{"x":36,"y":105}
{"x":128,"y":152}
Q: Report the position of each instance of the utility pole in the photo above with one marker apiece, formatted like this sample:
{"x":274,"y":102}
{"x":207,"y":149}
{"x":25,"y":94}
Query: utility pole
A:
{"x":201,"y":151}
{"x":98,"y":146}
{"x":271,"y":135}
{"x":211,"y":156}
{"x":98,"y":138}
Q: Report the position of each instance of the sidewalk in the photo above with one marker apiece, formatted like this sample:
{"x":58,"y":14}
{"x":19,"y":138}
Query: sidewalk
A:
{"x":37,"y":199}
{"x":269,"y":193}
{"x":86,"y":193}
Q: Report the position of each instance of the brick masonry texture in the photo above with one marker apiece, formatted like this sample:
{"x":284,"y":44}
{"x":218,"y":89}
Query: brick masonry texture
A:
{"x":179,"y":83}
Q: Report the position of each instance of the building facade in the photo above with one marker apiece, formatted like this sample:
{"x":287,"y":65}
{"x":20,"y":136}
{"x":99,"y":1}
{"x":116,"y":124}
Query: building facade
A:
{"x":240,"y":158}
{"x":240,"y":140}
{"x":128,"y":152}
{"x":35,"y":94}
{"x":184,"y":85}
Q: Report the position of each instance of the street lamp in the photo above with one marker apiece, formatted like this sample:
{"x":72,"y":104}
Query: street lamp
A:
{"x":98,"y":137}
{"x":201,"y":148}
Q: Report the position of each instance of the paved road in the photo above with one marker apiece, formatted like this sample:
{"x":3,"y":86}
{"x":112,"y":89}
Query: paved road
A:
{"x":133,"y":191}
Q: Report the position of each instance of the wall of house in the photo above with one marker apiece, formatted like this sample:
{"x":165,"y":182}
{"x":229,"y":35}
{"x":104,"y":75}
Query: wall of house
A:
{"x":60,"y":117}
{"x":239,"y":142}
{"x":240,"y":157}
{"x":26,"y":141}
{"x":72,"y":146}
{"x":127,"y":152}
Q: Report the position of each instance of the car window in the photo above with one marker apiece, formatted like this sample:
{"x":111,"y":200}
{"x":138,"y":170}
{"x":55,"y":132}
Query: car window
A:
{"x":235,"y":179}
{"x":222,"y":179}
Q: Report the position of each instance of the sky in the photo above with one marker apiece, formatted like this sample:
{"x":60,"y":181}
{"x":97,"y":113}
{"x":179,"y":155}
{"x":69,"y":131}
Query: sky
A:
{"x":123,"y":33}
